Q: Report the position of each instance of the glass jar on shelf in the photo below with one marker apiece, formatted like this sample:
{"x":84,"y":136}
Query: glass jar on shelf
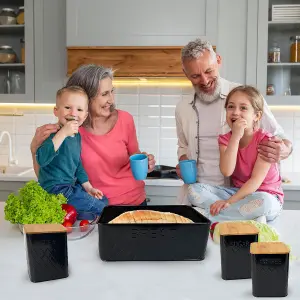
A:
{"x":270,"y":89}
{"x":8,"y":16}
{"x":7,"y":55}
{"x":20,"y":16}
{"x":295,"y":49}
{"x":274,"y":53}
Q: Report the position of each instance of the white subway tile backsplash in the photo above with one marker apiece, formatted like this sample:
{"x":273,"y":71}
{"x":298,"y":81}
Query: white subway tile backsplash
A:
{"x":171,"y":90}
{"x":150,"y":90}
{"x":168,"y":121}
{"x":149,"y":99}
{"x":168,"y":111}
{"x":127,"y":90}
{"x":149,"y":110}
{"x":149,"y":121}
{"x":170,"y":99}
{"x":168,"y":133}
{"x":132,"y":109}
{"x":43,"y":119}
{"x":123,"y":99}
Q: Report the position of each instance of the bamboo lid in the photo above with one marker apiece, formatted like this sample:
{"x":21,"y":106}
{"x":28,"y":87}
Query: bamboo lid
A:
{"x":237,"y":228}
{"x":269,"y":248}
{"x":43,"y":228}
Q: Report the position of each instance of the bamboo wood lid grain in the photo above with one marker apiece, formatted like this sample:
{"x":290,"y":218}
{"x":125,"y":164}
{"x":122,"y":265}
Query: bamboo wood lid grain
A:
{"x":44,"y":228}
{"x":269,"y":248}
{"x":237,"y":228}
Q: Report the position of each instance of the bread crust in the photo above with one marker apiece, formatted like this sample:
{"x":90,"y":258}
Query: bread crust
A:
{"x":149,"y":216}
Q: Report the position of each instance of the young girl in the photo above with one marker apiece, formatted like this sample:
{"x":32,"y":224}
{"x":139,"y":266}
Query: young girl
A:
{"x":256,"y":190}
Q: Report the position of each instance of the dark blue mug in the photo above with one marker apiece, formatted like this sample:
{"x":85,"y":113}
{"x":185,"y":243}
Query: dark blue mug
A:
{"x":139,"y":166}
{"x":188,"y":171}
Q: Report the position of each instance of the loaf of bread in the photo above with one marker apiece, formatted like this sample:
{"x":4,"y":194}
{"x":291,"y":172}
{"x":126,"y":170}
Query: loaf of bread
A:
{"x":149,"y":216}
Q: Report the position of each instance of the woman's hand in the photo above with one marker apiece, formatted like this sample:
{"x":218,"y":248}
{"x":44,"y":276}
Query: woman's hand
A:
{"x":218,"y":206}
{"x":96,"y":193}
{"x":151,"y":162}
{"x":41,"y":134}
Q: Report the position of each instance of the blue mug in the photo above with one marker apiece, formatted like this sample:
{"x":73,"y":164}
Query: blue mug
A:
{"x":188,"y":171}
{"x":139,"y":166}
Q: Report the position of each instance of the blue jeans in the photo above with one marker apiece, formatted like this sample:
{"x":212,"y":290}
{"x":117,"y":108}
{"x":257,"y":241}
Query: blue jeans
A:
{"x":80,"y":199}
{"x":251,"y":207}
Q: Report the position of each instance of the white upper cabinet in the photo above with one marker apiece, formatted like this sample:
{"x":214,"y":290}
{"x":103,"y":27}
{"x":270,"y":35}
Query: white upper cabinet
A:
{"x":140,"y":22}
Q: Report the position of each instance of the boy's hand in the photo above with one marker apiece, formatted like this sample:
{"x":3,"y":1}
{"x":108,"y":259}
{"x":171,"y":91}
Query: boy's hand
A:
{"x":96,"y":193}
{"x":239,"y":127}
{"x":70,"y":128}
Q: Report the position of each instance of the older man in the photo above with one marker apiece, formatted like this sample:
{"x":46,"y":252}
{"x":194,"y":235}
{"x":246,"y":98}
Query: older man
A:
{"x":200,"y":120}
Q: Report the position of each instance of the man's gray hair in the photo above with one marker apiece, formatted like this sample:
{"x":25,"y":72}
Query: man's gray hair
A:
{"x":88,"y":78}
{"x":196,"y":48}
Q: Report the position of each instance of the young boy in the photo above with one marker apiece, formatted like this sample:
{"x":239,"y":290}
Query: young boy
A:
{"x":61,"y":170}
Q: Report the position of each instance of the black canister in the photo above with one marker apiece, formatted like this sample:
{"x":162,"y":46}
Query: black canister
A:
{"x":47,"y":251}
{"x":235,"y":240}
{"x":270,"y":269}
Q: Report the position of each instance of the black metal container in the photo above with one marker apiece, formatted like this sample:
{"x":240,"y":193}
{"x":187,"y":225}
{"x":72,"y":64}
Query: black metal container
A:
{"x":148,"y":242}
{"x":270,"y":272}
{"x":47,"y":252}
{"x":235,"y":250}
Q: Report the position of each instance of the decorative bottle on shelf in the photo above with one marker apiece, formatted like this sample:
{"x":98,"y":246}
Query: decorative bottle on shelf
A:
{"x":274,"y":53}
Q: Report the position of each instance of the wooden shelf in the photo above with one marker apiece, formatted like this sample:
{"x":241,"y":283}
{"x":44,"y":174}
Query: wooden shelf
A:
{"x":11,"y":29}
{"x":287,"y":64}
{"x":12,"y":66}
{"x":287,"y":25}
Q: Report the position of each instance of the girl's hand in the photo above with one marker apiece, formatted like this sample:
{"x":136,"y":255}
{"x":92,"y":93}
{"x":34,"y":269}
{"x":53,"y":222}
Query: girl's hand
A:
{"x":218,"y":206}
{"x":238,"y":128}
{"x":96,"y":193}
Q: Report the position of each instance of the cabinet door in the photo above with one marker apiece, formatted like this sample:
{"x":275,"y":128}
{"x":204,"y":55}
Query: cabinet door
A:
{"x":50,"y":48}
{"x":140,"y":23}
{"x":237,"y":40}
{"x":17,"y":79}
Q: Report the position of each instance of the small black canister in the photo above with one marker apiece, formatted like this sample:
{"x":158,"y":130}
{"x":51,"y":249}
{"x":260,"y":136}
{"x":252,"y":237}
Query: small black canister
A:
{"x":270,"y":269}
{"x":235,"y":240}
{"x":47,"y":251}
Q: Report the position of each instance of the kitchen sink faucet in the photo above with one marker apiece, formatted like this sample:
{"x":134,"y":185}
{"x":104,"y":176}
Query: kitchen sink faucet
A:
{"x":11,"y":160}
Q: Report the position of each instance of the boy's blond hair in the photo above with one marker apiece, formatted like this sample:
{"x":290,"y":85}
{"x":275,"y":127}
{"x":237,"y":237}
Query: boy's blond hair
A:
{"x":70,"y":89}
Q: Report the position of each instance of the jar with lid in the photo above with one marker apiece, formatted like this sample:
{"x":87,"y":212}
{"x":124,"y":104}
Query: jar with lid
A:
{"x":8,"y":16}
{"x":7,"y":55}
{"x":295,"y":49}
{"x":20,"y":16}
{"x":270,"y":89}
{"x":22,"y":41}
{"x":274,"y":54}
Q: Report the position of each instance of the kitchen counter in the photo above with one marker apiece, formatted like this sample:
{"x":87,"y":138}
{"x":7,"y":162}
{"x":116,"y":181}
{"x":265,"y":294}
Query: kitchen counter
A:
{"x":293,"y":177}
{"x":91,"y":278}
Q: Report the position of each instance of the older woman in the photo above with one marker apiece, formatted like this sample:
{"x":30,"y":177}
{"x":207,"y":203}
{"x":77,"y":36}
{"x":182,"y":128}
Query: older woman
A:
{"x":108,"y":139}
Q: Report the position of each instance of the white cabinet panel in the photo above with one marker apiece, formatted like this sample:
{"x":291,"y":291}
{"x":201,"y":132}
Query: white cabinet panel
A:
{"x":139,"y":23}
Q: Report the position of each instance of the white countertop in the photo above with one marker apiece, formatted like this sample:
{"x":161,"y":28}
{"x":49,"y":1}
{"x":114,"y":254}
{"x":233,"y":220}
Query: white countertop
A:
{"x":293,"y":177}
{"x":91,"y":278}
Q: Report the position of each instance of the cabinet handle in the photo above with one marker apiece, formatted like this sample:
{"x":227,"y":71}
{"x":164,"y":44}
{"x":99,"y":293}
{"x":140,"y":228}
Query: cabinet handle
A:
{"x":148,"y":199}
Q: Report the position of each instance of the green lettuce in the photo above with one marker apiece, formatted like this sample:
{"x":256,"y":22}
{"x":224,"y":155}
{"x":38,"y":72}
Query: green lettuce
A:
{"x":33,"y":205}
{"x":266,"y":232}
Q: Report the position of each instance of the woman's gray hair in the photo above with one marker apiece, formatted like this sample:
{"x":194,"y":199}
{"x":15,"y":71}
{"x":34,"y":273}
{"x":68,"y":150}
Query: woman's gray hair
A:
{"x":196,"y":48}
{"x":88,"y":78}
